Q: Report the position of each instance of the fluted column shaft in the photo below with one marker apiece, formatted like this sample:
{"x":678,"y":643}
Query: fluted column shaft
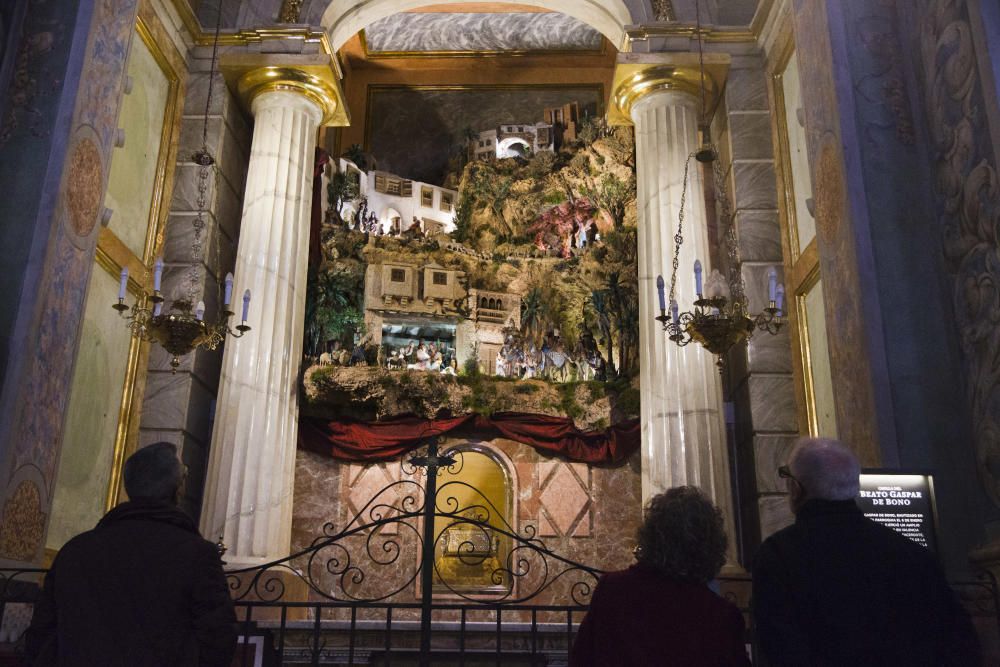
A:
{"x":683,"y":428}
{"x":248,"y":491}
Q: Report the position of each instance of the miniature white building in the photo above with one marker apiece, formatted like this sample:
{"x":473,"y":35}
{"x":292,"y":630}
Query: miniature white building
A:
{"x":398,"y":201}
{"x":560,"y":124}
{"x":512,"y":141}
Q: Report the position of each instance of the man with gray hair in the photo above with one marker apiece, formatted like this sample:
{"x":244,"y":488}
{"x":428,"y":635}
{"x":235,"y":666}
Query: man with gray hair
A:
{"x":836,"y":588}
{"x":142,"y":589}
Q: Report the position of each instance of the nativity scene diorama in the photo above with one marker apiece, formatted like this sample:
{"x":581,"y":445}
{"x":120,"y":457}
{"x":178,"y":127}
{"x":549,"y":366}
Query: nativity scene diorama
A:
{"x":525,"y":271}
{"x":495,"y":307}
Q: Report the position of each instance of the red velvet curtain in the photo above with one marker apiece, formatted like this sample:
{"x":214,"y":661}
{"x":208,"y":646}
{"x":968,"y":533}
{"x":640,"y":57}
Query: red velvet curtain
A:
{"x":374,"y":441}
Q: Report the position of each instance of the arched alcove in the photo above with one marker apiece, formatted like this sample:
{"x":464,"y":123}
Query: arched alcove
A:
{"x":342,"y":19}
{"x":481,"y":486}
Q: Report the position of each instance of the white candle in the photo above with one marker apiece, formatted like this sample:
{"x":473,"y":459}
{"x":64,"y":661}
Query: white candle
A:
{"x":697,"y":277}
{"x":157,"y":309}
{"x":199,"y":311}
{"x":123,"y":285}
{"x":780,"y":298}
{"x":659,"y":293}
{"x":229,"y":290}
{"x":246,"y":304}
{"x":157,"y":274}
{"x":675,"y":312}
{"x":772,"y":283}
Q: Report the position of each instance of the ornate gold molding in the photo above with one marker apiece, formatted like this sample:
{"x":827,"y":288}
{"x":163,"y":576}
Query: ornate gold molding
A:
{"x":310,"y":76}
{"x":639,"y":75}
{"x":306,"y":35}
{"x":289,"y":12}
{"x":638,"y":33}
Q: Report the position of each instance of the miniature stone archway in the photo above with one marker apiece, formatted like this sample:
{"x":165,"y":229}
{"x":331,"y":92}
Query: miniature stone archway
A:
{"x":512,"y":147}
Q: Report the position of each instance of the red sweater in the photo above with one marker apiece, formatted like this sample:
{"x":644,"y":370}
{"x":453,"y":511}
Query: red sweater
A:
{"x":641,"y":617}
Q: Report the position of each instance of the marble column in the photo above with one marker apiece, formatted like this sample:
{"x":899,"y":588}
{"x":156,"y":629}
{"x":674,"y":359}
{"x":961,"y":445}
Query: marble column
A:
{"x":248,"y":490}
{"x":683,"y":428}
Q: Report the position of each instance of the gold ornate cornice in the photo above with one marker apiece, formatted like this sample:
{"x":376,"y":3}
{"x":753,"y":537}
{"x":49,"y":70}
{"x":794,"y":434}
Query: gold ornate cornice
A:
{"x":639,"y":75}
{"x":303,"y":34}
{"x":311,"y":76}
{"x":672,"y":28}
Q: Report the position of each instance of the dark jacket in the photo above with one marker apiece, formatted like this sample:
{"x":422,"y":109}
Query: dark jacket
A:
{"x":142,"y":589}
{"x":641,"y":617}
{"x":836,"y":588}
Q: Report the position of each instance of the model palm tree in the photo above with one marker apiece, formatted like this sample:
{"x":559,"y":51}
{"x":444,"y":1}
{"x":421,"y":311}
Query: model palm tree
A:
{"x":600,"y":300}
{"x":533,"y":313}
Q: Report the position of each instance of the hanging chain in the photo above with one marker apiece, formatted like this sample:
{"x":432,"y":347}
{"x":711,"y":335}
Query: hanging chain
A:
{"x":701,"y":61}
{"x":196,"y":243}
{"x":679,"y":236}
{"x":211,"y":76}
{"x":737,"y":286}
{"x":205,"y":162}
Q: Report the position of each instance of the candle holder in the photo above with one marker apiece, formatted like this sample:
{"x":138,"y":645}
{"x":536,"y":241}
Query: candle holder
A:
{"x":722,"y":319}
{"x":184,"y":329}
{"x":179,"y":331}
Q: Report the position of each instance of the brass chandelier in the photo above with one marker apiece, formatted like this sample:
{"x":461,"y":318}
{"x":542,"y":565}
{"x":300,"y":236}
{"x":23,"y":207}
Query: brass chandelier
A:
{"x":720,"y":317}
{"x":184,"y":328}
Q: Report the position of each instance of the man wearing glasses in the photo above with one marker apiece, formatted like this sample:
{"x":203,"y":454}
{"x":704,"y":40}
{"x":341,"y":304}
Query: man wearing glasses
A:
{"x":835,"y":588}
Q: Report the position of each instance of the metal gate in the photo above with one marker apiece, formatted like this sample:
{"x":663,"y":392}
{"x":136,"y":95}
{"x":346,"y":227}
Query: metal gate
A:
{"x":392,"y":585}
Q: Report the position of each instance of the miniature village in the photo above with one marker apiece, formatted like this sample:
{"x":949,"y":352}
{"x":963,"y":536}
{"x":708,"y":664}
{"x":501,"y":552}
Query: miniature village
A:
{"x":514,"y":291}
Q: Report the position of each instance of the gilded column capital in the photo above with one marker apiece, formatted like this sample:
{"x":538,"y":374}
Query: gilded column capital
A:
{"x":312,"y":77}
{"x":638,"y":75}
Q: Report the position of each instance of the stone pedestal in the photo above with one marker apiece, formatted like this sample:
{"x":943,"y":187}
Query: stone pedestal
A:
{"x":248,"y":494}
{"x":683,"y":428}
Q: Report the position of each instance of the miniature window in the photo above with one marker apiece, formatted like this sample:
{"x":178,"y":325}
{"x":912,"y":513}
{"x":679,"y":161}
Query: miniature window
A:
{"x":439,"y":278}
{"x":445,"y":201}
{"x":426,"y":197}
{"x":406,"y":188}
{"x":398,"y":275}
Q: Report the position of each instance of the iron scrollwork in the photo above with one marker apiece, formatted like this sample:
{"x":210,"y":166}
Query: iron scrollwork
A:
{"x":382,"y":551}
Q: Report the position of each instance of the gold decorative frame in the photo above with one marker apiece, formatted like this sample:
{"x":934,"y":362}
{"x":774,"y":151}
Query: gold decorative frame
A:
{"x":801,"y":267}
{"x":113,"y":254}
{"x":804,"y":348}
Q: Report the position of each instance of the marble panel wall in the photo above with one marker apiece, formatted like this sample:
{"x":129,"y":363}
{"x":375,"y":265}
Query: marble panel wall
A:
{"x":759,"y":375}
{"x":587,"y":514}
{"x":179,"y":407}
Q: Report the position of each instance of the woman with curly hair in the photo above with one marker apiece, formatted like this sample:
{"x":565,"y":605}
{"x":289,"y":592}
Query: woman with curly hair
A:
{"x":661,"y":611}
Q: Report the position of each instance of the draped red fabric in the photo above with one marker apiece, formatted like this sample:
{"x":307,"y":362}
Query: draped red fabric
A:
{"x":373,"y":441}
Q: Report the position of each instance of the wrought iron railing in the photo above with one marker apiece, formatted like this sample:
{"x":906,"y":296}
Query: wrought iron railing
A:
{"x":393,"y":585}
{"x":421,"y":570}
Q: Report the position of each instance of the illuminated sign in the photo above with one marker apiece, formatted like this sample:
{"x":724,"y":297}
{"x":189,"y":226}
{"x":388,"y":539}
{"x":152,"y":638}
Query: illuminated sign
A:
{"x":903,"y":502}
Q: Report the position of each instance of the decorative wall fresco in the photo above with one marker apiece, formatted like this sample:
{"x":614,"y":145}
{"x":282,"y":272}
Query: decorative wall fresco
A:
{"x":466,"y":31}
{"x":421,"y":132}
{"x":968,"y":189}
{"x":37,"y":397}
{"x":850,"y":359}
